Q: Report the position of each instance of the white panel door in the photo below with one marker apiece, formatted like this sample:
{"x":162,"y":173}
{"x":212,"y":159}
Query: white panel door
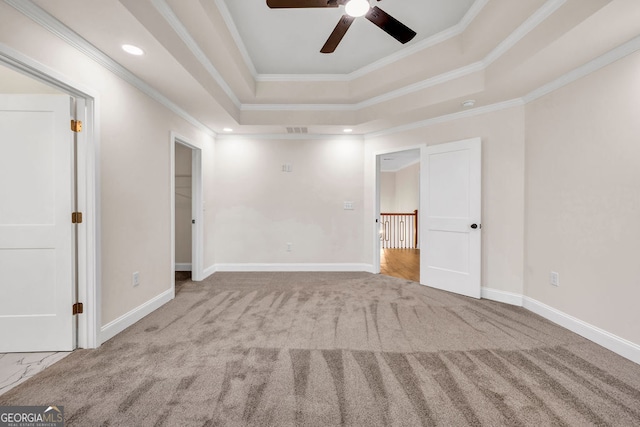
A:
{"x":450,"y":192}
{"x":36,"y":249}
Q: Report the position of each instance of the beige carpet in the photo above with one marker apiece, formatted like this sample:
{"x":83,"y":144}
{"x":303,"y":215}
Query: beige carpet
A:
{"x":324,"y":349}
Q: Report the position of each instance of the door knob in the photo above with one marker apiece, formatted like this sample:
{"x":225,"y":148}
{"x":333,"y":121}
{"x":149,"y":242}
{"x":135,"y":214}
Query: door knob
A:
{"x":474,"y":226}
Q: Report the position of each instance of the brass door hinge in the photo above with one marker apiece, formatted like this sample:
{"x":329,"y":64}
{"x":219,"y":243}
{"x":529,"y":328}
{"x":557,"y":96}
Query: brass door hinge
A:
{"x":76,"y":125}
{"x":76,"y":218}
{"x":78,"y":308}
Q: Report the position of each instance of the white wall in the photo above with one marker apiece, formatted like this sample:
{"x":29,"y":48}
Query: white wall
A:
{"x":387,"y":192}
{"x":183,"y":176}
{"x":134,"y":169}
{"x":408,"y":189}
{"x":400,"y":190}
{"x":502,"y":134}
{"x":259,"y":208}
{"x":583,"y":198}
{"x":13,"y":82}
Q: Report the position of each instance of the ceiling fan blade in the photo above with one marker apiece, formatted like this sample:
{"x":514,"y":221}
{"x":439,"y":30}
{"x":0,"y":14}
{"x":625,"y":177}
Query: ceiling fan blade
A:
{"x":278,"y":4}
{"x":338,"y":33}
{"x":390,"y":25}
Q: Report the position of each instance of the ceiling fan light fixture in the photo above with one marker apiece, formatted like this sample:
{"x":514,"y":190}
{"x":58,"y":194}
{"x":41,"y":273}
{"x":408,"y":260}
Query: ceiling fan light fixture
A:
{"x":357,"y":8}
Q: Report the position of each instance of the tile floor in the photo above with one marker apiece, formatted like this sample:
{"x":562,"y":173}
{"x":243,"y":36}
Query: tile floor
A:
{"x":18,"y":367}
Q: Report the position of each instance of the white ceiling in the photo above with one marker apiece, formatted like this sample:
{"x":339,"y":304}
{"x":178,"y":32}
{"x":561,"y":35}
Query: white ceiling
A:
{"x":239,"y":64}
{"x":393,"y":162}
{"x":288,"y":41}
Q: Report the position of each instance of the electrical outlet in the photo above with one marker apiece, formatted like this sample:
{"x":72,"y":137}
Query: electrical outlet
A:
{"x":289,"y":247}
{"x":348,"y":206}
{"x":554,"y":278}
{"x":136,"y":278}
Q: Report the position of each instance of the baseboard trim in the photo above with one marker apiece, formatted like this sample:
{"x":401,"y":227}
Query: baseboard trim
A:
{"x":294,"y":267}
{"x":599,"y":336}
{"x":118,"y":325}
{"x":502,"y":296}
{"x":208,"y":271}
{"x":183,"y":266}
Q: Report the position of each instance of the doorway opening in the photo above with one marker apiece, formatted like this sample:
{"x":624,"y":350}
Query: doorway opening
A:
{"x":399,"y":201}
{"x":186,"y":212}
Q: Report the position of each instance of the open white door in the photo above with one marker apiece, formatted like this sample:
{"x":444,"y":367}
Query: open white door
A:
{"x":36,"y":199}
{"x":451,"y":238}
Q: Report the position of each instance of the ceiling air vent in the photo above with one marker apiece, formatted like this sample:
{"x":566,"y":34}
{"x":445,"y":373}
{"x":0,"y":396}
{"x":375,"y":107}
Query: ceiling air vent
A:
{"x":297,"y":129}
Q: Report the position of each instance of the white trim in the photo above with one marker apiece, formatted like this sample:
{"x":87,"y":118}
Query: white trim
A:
{"x":376,"y":200}
{"x":299,"y":107}
{"x":88,"y":169}
{"x":538,"y":17}
{"x":167,"y":13}
{"x":183,"y":266}
{"x":294,"y":267}
{"x":289,"y":136}
{"x":433,"y":40}
{"x":592,"y":66}
{"x":502,"y":296}
{"x":208,"y":271}
{"x":550,"y":7}
{"x":228,"y":20}
{"x":114,"y":327}
{"x":599,"y":336}
{"x":197,"y":235}
{"x":387,"y":96}
{"x":45,"y":20}
{"x":449,"y":117}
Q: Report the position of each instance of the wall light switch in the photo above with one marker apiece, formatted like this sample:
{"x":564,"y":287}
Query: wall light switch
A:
{"x":287,"y":167}
{"x":348,"y":206}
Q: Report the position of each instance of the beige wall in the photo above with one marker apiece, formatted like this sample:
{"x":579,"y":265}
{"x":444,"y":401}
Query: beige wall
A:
{"x":387,"y":191}
{"x":408,"y":188}
{"x":400,"y":190}
{"x":13,"y":82}
{"x":183,"y":202}
{"x":259,"y":208}
{"x":583,"y":198}
{"x":134,"y":169}
{"x":502,"y":134}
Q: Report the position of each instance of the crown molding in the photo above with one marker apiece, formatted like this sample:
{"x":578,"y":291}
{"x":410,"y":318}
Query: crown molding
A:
{"x":167,"y":13}
{"x":592,"y":66}
{"x":540,"y":15}
{"x":448,"y":118}
{"x":47,"y":21}
{"x":440,"y":37}
{"x":298,"y":107}
{"x":228,"y":20}
{"x":511,"y":40}
{"x":288,"y":136}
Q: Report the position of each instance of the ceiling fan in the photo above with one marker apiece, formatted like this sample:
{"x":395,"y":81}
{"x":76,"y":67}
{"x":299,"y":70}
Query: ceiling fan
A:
{"x":353,"y":9}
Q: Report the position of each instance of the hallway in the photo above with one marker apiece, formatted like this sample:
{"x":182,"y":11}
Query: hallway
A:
{"x":401,"y":263}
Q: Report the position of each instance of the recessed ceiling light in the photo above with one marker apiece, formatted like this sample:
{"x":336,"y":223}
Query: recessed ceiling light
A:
{"x":133,"y":50}
{"x":227,"y":130}
{"x":348,"y":130}
{"x":469,"y":103}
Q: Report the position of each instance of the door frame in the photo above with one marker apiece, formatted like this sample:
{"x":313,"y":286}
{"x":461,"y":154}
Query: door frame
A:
{"x":197,"y":232}
{"x":88,"y":190}
{"x":376,"y":201}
